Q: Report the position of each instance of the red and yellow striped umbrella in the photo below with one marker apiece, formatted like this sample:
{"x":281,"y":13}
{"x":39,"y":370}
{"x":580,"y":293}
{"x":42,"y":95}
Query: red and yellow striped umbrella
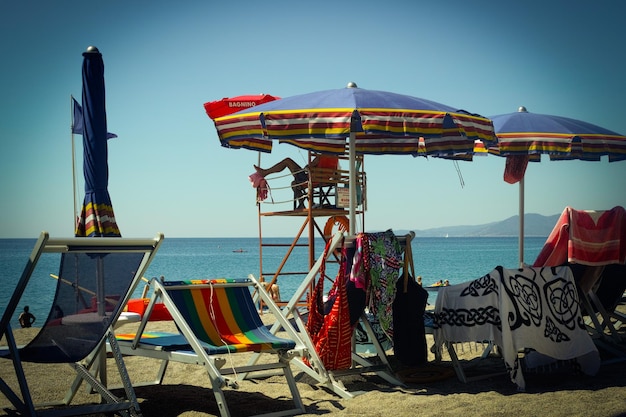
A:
{"x":380,"y":123}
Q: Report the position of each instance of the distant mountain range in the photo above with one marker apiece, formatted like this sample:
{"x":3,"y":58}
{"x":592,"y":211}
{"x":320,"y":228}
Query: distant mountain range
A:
{"x":534,"y":225}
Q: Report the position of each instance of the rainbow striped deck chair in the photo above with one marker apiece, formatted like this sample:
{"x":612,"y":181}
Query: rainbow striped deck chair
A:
{"x":96,"y":278}
{"x":216,"y":318}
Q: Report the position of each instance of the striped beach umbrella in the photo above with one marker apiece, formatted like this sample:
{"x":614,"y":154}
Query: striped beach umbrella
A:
{"x":96,"y":218}
{"x":524,"y":136}
{"x":525,"y":133}
{"x":362,"y":121}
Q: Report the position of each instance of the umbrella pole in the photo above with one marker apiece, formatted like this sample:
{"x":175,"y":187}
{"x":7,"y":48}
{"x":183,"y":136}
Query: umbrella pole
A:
{"x":352,"y":182}
{"x":521,"y":222}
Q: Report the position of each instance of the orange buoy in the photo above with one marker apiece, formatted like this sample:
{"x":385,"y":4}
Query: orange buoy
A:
{"x":342,"y":223}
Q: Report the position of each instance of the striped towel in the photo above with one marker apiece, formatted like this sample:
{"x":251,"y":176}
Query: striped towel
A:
{"x":586,"y":237}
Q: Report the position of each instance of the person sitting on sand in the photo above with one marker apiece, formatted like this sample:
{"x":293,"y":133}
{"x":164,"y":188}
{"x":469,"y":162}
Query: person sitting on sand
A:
{"x":26,"y":318}
{"x":300,"y":174}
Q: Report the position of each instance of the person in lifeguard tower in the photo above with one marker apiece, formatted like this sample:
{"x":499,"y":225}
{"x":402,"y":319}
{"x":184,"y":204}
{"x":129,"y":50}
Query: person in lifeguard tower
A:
{"x":300,"y":174}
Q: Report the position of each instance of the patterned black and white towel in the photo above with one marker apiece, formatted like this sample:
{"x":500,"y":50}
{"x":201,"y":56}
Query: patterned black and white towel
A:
{"x":533,"y":308}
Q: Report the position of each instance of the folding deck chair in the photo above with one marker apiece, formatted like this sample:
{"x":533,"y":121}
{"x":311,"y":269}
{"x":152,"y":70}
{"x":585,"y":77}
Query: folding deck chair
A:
{"x":331,"y":379}
{"x":216,"y":317}
{"x":593,"y":244}
{"x":601,"y":289}
{"x":96,"y":278}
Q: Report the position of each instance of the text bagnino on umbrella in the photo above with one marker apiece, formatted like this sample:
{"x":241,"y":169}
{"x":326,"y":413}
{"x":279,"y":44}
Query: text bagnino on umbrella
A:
{"x":230,"y":105}
{"x":96,"y":218}
{"x":367,"y":121}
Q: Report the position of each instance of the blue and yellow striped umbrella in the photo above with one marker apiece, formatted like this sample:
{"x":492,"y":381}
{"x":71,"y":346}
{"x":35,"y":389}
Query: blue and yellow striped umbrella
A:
{"x":360,"y":121}
{"x":380,"y":122}
{"x":525,"y":133}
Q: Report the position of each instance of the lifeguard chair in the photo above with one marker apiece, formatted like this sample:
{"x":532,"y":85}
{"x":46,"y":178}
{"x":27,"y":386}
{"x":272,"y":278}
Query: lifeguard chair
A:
{"x":324,"y":178}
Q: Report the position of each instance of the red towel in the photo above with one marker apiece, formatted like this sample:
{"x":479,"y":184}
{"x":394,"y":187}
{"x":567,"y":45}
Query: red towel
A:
{"x":587,"y":238}
{"x":515,"y":168}
{"x":258,"y":181}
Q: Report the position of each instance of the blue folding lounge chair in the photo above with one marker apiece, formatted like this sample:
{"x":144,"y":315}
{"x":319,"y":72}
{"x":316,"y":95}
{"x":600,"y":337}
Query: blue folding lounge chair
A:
{"x":96,"y":279}
{"x":215,"y":317}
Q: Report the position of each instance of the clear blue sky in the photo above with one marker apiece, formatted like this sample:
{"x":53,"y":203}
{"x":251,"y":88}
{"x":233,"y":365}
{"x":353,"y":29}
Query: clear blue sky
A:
{"x":163,"y":60}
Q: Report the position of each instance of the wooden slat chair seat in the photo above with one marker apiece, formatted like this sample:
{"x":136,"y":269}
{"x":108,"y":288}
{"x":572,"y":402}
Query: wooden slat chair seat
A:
{"x":322,"y":182}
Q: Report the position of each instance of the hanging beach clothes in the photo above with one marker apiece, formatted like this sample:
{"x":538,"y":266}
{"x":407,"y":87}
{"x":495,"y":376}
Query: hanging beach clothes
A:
{"x":359,"y":273}
{"x":331,"y":334}
{"x":385,"y":259}
{"x":259,"y":182}
{"x":409,"y":333}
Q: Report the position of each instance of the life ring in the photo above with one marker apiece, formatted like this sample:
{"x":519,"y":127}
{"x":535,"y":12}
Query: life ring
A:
{"x":342,"y":222}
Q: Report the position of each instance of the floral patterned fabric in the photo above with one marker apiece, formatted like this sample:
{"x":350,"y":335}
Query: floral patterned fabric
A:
{"x":385,"y":259}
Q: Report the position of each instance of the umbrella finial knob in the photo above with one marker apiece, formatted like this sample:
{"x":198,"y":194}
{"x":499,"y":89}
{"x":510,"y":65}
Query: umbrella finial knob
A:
{"x":91,"y":51}
{"x":351,"y":85}
{"x":522,"y":109}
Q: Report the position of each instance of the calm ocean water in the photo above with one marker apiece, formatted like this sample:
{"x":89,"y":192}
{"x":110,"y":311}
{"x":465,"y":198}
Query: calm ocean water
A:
{"x":455,"y":259}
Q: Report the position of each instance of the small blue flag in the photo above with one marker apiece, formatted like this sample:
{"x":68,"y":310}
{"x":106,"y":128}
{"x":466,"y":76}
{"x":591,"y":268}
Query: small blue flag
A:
{"x":77,"y":120}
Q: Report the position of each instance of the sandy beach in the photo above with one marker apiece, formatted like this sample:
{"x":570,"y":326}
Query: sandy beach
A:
{"x":186,"y":391}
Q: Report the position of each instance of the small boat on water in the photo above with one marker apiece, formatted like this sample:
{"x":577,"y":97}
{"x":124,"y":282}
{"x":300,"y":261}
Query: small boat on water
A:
{"x":239,"y":250}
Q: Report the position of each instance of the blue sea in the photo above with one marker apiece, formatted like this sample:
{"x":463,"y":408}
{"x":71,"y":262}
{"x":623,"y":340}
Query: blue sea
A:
{"x":454,"y":259}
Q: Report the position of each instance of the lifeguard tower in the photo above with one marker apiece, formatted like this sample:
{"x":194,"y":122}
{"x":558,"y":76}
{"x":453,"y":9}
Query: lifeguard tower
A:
{"x":322,"y":202}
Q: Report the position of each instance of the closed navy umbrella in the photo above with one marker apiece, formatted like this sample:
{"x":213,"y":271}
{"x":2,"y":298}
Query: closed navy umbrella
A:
{"x":96,"y":218}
